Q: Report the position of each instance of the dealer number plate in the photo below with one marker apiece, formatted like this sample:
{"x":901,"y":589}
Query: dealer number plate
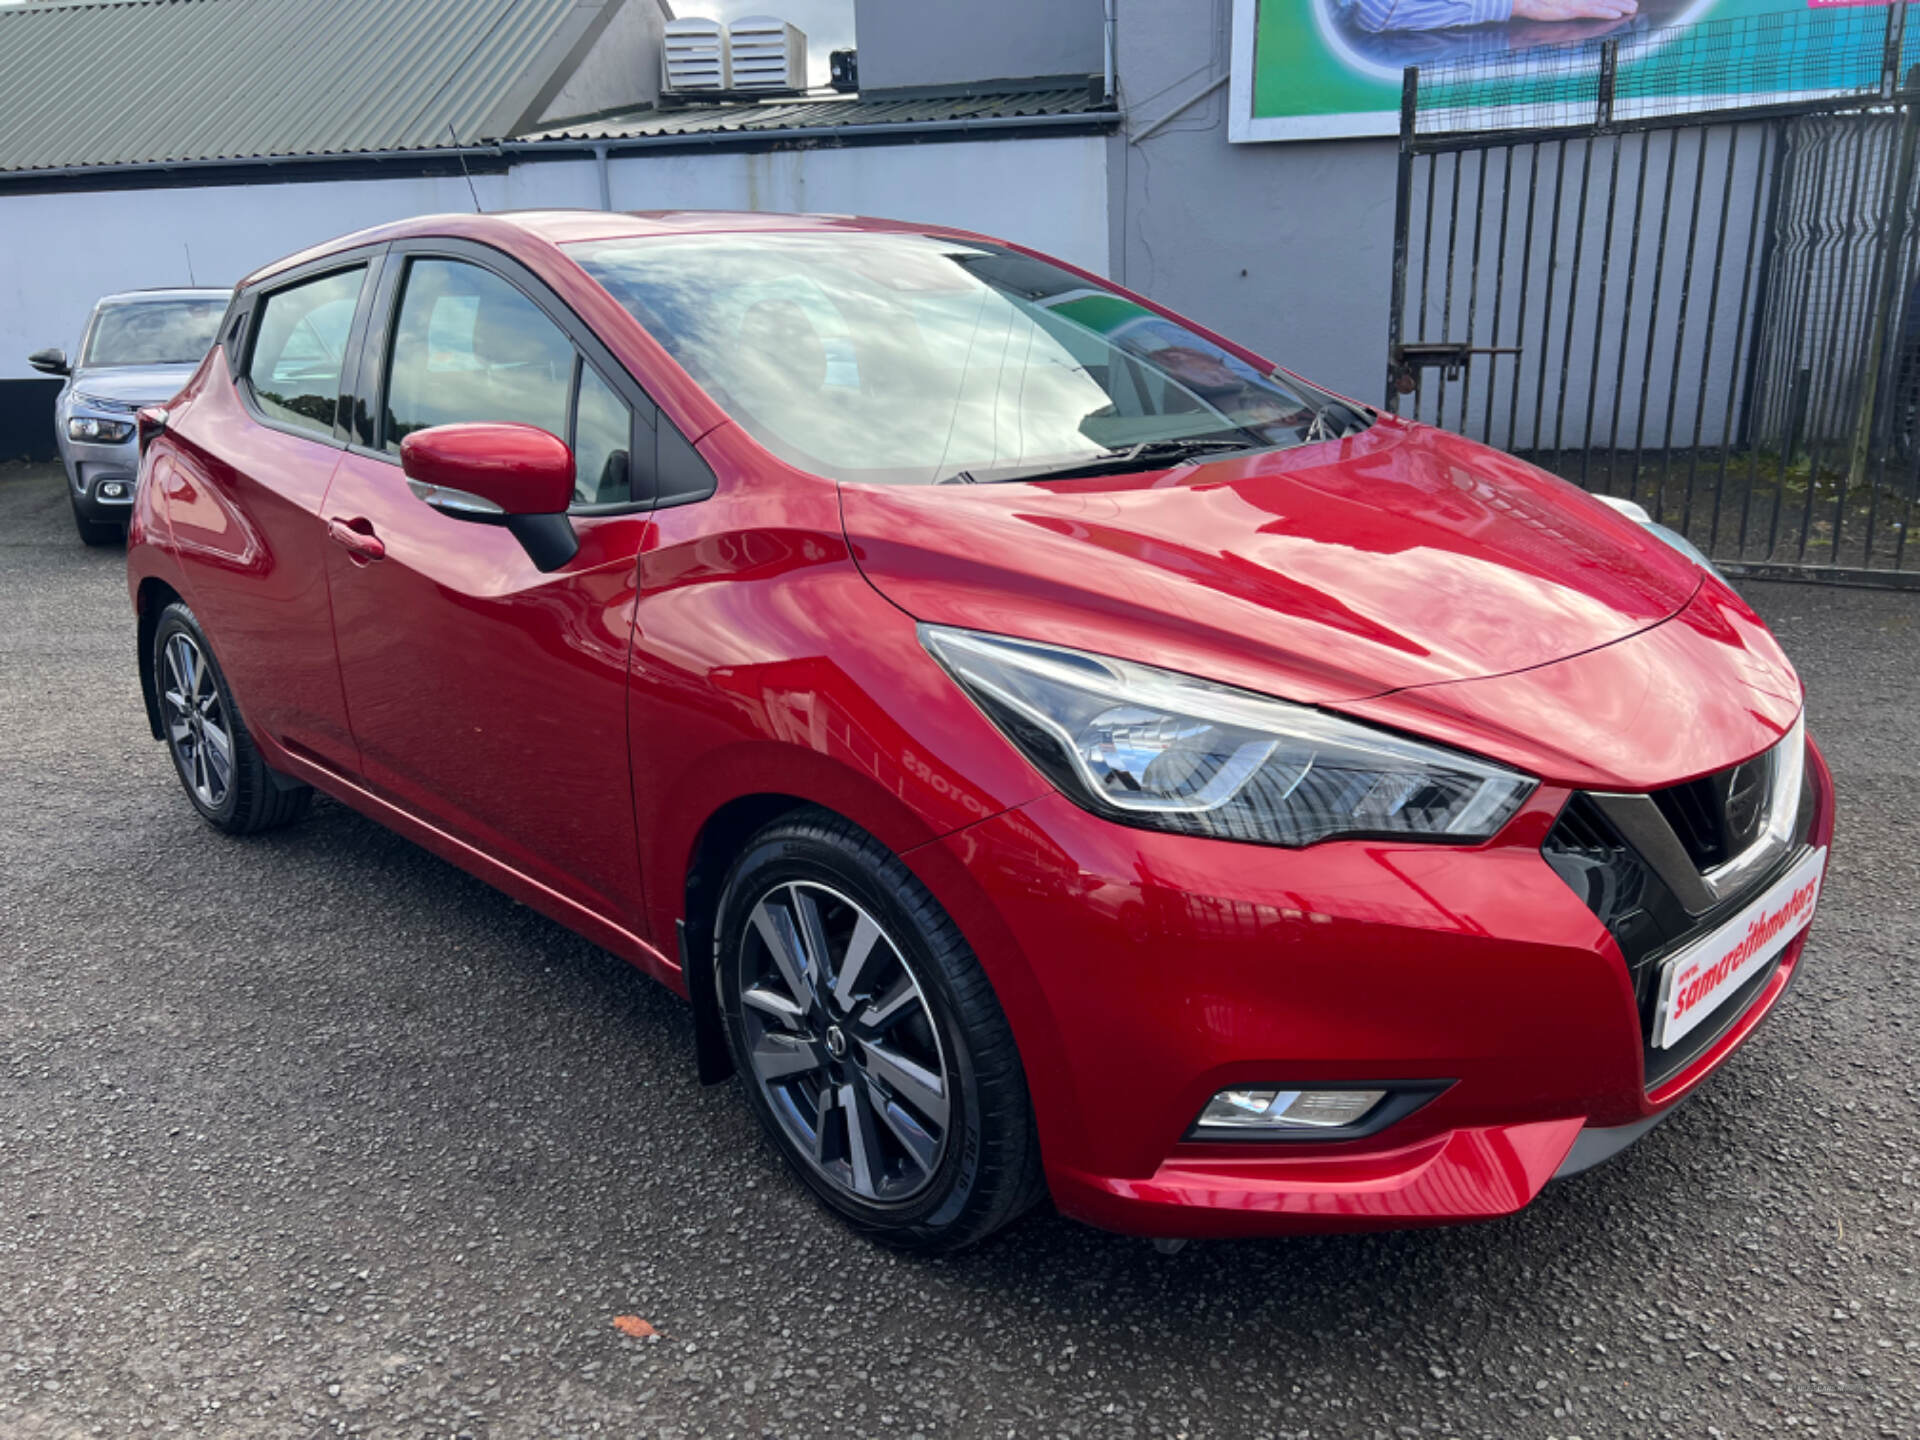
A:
{"x":1698,"y":978}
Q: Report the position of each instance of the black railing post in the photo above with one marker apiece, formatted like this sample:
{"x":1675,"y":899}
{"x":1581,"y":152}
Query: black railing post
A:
{"x":1402,"y":224}
{"x":1896,"y":44}
{"x":1777,"y":175}
{"x":1886,"y":283}
{"x":1609,"y":80}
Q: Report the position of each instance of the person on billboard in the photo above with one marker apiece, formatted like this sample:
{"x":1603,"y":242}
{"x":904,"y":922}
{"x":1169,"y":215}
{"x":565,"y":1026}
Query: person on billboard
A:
{"x":1380,"y":16}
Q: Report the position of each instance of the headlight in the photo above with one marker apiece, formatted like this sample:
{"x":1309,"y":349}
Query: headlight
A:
{"x":1159,"y":749}
{"x":1638,"y":514}
{"x":98,"y":431}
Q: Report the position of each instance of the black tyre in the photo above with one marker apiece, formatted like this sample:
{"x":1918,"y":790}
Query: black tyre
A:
{"x":219,"y":766}
{"x":869,"y":1042}
{"x":96,"y":532}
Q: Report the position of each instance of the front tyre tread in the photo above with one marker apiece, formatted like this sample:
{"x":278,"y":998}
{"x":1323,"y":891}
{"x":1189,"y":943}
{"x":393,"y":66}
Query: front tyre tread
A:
{"x":993,"y":1172}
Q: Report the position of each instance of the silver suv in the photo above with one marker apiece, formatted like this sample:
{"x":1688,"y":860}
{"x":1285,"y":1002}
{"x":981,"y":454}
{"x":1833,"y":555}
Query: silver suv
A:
{"x":139,"y":349}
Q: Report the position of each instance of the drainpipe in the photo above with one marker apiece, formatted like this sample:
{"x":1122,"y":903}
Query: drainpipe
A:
{"x":606,"y":187}
{"x":1106,"y":51}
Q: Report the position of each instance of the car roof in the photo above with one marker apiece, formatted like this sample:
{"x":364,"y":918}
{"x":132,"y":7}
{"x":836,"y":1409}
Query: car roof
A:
{"x":181,"y":292}
{"x":565,"y":227}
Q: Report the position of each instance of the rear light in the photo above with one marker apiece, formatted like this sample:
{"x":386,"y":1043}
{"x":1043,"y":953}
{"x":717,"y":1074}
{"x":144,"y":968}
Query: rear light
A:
{"x":151,"y":421}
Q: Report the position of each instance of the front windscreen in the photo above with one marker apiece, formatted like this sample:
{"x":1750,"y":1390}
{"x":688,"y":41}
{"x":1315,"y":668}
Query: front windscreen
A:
{"x":914,"y":359}
{"x":153,"y":332}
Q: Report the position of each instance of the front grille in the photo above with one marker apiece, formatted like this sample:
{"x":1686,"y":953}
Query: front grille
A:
{"x":1621,"y":890}
{"x":1643,"y":915}
{"x":1696,"y":812}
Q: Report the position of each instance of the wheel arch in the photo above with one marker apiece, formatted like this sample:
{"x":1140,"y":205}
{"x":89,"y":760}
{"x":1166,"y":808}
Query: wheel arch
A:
{"x":719,"y":840}
{"x":150,"y":600}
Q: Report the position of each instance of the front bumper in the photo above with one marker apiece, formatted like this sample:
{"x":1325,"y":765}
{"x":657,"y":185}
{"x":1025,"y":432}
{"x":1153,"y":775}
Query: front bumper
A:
{"x":102,"y":476}
{"x":1144,"y":972}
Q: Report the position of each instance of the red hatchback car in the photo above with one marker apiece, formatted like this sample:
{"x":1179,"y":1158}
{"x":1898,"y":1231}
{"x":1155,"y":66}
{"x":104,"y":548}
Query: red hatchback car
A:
{"x":1054,"y":751}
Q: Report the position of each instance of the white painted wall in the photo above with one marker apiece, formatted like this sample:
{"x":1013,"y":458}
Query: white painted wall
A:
{"x":60,"y":252}
{"x":1047,"y":193}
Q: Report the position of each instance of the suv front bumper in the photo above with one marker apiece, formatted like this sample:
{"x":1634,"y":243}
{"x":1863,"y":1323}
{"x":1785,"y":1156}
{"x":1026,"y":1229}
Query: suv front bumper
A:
{"x":101,"y":477}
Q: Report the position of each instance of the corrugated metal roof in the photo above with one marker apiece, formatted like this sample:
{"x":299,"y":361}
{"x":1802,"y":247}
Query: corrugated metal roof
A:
{"x":746,"y":118}
{"x":145,"y":82}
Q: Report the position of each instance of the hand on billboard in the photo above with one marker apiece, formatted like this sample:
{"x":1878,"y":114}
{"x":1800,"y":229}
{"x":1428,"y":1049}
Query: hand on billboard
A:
{"x":1574,"y":9}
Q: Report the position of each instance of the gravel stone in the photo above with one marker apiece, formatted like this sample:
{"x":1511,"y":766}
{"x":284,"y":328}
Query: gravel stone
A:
{"x":311,"y":1133}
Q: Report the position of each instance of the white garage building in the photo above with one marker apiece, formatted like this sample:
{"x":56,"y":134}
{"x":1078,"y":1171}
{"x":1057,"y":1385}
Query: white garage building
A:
{"x":162,"y":142}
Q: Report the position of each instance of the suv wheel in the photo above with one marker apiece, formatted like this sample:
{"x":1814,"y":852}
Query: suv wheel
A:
{"x":871,"y":1045}
{"x":219,"y":766}
{"x":95,"y":532}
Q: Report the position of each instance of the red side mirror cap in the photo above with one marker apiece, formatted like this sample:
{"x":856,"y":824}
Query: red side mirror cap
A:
{"x":515,"y":469}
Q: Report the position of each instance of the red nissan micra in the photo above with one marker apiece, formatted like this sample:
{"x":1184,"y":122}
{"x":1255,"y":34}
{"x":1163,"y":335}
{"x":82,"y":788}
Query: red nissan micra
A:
{"x":1054,"y":751}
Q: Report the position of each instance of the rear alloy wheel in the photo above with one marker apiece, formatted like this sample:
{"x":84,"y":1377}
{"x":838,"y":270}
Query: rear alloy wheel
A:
{"x":196,"y":721}
{"x":870,"y":1043}
{"x":217,"y":761}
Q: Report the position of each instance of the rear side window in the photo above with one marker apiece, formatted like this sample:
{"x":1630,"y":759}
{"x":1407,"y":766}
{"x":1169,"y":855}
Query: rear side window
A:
{"x":294,"y":371}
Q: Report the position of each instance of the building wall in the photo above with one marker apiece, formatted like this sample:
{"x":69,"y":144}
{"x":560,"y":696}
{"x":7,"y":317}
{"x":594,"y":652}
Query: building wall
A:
{"x":61,"y":251}
{"x":1048,"y":193}
{"x":622,"y":70}
{"x":919,"y":44}
{"x":1287,"y":247}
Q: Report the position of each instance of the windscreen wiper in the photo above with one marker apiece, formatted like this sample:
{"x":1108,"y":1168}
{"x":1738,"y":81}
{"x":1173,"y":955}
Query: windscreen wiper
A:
{"x":1147,"y":455}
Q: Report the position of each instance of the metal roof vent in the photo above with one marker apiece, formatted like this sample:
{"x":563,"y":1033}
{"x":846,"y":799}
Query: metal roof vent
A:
{"x":693,"y":57}
{"x":767,"y":54}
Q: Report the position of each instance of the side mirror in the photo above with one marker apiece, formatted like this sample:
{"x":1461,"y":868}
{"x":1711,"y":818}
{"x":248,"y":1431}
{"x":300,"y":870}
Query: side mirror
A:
{"x":497,"y":474}
{"x":51,"y":361}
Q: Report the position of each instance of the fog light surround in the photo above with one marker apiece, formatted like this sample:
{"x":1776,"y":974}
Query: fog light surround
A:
{"x":1271,"y":1108}
{"x":1330,"y":1112}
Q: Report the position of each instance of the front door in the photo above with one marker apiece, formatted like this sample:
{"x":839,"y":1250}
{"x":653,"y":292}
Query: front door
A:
{"x":486,"y":697}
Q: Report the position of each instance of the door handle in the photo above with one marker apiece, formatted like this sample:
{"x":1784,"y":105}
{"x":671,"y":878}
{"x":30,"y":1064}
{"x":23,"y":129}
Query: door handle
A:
{"x":357,"y":535}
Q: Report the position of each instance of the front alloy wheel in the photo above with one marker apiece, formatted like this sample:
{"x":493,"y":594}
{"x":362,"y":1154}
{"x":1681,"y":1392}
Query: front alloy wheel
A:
{"x":870,"y":1043}
{"x":841,"y":1042}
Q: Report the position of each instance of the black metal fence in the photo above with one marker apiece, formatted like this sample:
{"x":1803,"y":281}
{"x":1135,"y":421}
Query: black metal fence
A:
{"x":1681,"y":267}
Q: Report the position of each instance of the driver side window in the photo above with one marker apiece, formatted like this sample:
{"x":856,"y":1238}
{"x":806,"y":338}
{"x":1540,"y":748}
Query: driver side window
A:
{"x":468,"y":346}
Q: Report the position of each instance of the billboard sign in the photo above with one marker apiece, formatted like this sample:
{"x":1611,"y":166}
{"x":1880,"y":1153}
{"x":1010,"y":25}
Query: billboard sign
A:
{"x":1326,"y":69}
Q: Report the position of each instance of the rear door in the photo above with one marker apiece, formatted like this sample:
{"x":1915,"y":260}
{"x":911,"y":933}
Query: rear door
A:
{"x":255,"y":451}
{"x":486,"y":697}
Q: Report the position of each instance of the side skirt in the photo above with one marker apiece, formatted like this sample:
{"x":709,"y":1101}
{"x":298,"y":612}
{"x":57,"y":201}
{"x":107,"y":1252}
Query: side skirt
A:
{"x":530,"y":892}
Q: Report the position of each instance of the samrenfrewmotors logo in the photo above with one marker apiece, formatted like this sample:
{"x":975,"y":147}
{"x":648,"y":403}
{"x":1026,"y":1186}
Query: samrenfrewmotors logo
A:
{"x":1701,"y":979}
{"x":1697,"y":980}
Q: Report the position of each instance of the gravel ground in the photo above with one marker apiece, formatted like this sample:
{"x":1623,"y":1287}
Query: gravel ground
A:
{"x":314,"y":1134}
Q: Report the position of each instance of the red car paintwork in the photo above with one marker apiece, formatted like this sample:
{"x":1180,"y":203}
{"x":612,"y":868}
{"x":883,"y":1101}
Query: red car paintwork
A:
{"x":1325,"y":573}
{"x":521,"y":468}
{"x":571,"y":737}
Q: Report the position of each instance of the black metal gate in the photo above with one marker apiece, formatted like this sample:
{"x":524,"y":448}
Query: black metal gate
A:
{"x":1656,"y":267}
